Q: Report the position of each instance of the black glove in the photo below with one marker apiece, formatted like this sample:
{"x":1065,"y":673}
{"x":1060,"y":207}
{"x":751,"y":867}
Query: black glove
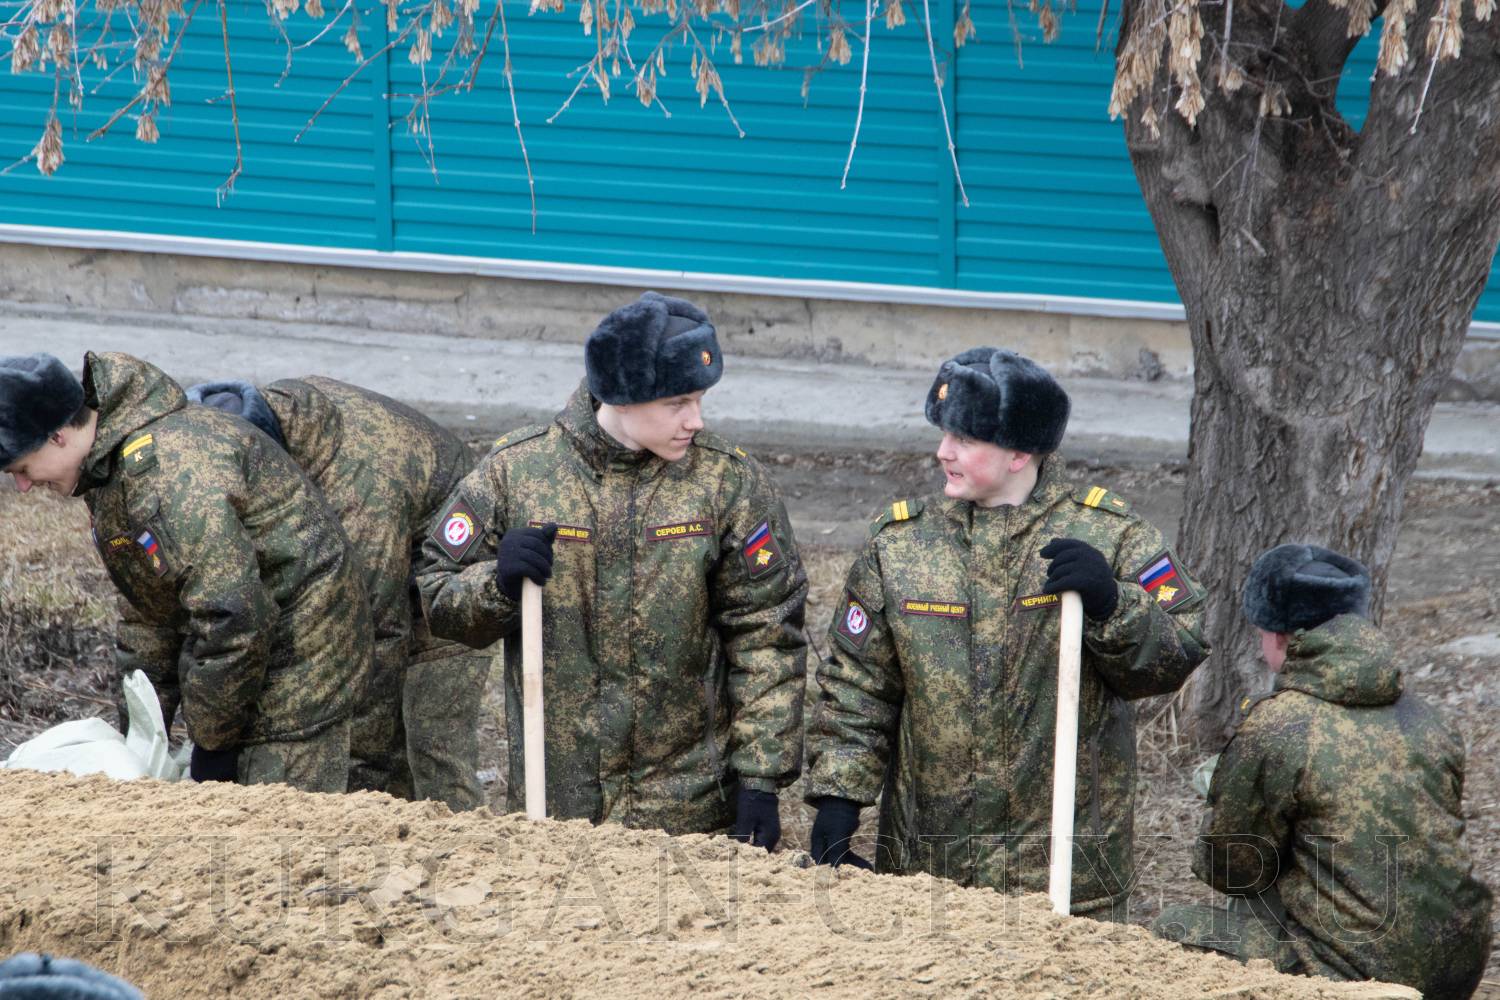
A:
{"x":836,"y":822}
{"x":214,"y":765}
{"x":757,"y":819}
{"x":525,"y":553}
{"x":1077,"y":565}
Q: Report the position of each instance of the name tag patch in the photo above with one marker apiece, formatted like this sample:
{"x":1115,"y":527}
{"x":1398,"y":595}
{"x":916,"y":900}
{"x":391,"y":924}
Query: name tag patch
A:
{"x":683,"y":529}
{"x":456,"y":529}
{"x":939,"y":609}
{"x":566,"y":532}
{"x":1037,"y":602}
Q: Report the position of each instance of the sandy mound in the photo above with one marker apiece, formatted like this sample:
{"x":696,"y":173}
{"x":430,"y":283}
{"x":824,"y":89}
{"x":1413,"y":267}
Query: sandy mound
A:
{"x":268,"y":892}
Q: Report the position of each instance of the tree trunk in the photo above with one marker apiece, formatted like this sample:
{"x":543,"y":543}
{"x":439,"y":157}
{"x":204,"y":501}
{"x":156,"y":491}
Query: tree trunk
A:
{"x":1329,"y":278}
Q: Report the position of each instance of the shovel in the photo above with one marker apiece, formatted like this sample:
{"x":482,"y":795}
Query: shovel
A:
{"x":531,"y":700}
{"x":1065,"y":751}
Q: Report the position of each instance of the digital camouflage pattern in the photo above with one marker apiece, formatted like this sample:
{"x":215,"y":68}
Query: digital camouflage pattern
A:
{"x":319,"y":763}
{"x":241,"y":601}
{"x":943,"y":668}
{"x":386,"y":471}
{"x":674,"y":650}
{"x":1339,"y":798}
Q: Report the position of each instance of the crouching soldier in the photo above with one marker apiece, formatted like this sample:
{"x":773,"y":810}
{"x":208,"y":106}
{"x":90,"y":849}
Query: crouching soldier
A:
{"x":1335,"y":820}
{"x":674,"y":595}
{"x":242,"y":603}
{"x":941,"y":685}
{"x":386,"y":470}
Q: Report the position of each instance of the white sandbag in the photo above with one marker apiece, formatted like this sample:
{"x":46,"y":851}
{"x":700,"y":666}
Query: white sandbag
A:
{"x":93,"y":746}
{"x":147,"y":737}
{"x":84,"y":746}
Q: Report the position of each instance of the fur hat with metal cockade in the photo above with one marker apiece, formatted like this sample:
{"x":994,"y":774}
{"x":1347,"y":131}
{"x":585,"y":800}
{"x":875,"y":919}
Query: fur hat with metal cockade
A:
{"x":242,"y":400}
{"x":38,"y":396}
{"x":1295,"y":587}
{"x":653,"y":348}
{"x":995,"y":395}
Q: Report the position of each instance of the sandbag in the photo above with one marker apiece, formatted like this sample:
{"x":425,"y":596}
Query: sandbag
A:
{"x":93,"y":746}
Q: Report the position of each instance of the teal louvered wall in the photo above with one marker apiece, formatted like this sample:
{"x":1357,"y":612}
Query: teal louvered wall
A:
{"x":1053,"y":205}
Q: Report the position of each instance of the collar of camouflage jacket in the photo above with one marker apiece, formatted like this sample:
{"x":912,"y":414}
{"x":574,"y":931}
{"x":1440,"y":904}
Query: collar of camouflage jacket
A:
{"x":1051,"y":486}
{"x":310,"y":422}
{"x":1345,"y":661}
{"x":600,"y":452}
{"x":128,"y":394}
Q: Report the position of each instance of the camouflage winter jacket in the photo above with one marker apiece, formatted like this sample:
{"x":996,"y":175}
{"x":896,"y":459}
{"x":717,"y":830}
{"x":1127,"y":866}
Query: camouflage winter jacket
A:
{"x":1342,"y":795}
{"x":241,"y":601}
{"x":674,"y":651}
{"x":386,"y":471}
{"x":941,"y":686}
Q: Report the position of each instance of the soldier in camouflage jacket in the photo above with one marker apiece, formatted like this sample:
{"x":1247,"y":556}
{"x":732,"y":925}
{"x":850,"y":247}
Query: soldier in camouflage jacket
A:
{"x":674,"y":649}
{"x":940,"y":690}
{"x":1335,"y":817}
{"x":386,"y":471}
{"x":241,"y":600}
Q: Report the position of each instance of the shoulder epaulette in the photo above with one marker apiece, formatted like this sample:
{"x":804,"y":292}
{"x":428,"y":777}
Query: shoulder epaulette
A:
{"x":1248,"y":702}
{"x":138,"y":453}
{"x":1102,"y":499}
{"x":713,"y":442}
{"x":901,"y":510}
{"x":516,"y":437}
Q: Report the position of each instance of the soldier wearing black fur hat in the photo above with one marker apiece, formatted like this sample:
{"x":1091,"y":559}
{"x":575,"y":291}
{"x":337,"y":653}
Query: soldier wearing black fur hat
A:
{"x":1335,"y":819}
{"x":673,"y":597}
{"x":242,"y":602}
{"x":940,"y":692}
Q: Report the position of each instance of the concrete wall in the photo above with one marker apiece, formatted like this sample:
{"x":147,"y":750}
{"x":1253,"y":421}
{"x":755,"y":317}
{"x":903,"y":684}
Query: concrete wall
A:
{"x":117,"y":282}
{"x":112,"y":281}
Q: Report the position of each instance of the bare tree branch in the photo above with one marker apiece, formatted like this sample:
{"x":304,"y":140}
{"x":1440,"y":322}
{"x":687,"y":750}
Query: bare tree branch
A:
{"x":864,"y":76}
{"x":234,"y":112}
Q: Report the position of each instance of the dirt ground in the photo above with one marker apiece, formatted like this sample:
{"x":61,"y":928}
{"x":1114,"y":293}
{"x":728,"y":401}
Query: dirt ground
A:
{"x":56,"y":611}
{"x":197,"y":891}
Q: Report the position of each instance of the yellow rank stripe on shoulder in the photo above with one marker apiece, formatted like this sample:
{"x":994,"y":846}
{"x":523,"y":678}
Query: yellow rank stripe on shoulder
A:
{"x":1096,"y":495}
{"x":141,"y":442}
{"x":900,"y":511}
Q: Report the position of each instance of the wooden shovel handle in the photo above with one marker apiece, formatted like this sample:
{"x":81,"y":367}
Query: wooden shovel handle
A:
{"x":531,"y":700}
{"x":1065,"y":751}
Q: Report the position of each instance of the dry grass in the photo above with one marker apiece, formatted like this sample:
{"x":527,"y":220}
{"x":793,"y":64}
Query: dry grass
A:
{"x":56,"y":616}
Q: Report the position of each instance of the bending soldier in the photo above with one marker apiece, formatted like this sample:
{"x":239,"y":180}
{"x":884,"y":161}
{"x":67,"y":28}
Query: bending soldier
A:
{"x":941,"y":685}
{"x":1335,"y":820}
{"x":674,"y":594}
{"x":241,"y":601}
{"x":386,"y":470}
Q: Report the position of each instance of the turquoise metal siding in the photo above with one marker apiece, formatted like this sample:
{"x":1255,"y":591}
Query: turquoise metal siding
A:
{"x":1053,"y":204}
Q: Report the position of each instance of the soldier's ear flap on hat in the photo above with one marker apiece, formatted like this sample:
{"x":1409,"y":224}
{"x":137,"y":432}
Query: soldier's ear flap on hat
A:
{"x":656,"y":347}
{"x":994,"y":395}
{"x":240,"y":399}
{"x":38,"y":396}
{"x":1294,"y":587}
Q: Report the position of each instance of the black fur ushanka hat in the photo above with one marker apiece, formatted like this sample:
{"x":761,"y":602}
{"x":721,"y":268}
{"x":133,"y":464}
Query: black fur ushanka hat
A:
{"x":653,"y":348}
{"x":995,"y":395}
{"x":1294,"y":587}
{"x":38,"y":396}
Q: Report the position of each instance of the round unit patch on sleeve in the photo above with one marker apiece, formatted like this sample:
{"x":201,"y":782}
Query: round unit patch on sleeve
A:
{"x":853,"y":622}
{"x":456,"y":529}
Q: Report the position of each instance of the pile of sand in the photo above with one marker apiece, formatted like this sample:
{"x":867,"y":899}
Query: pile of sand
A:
{"x":191,"y":890}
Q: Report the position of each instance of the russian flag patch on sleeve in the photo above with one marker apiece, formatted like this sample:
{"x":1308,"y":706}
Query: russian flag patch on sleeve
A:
{"x":760,"y":551}
{"x":1160,"y":578}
